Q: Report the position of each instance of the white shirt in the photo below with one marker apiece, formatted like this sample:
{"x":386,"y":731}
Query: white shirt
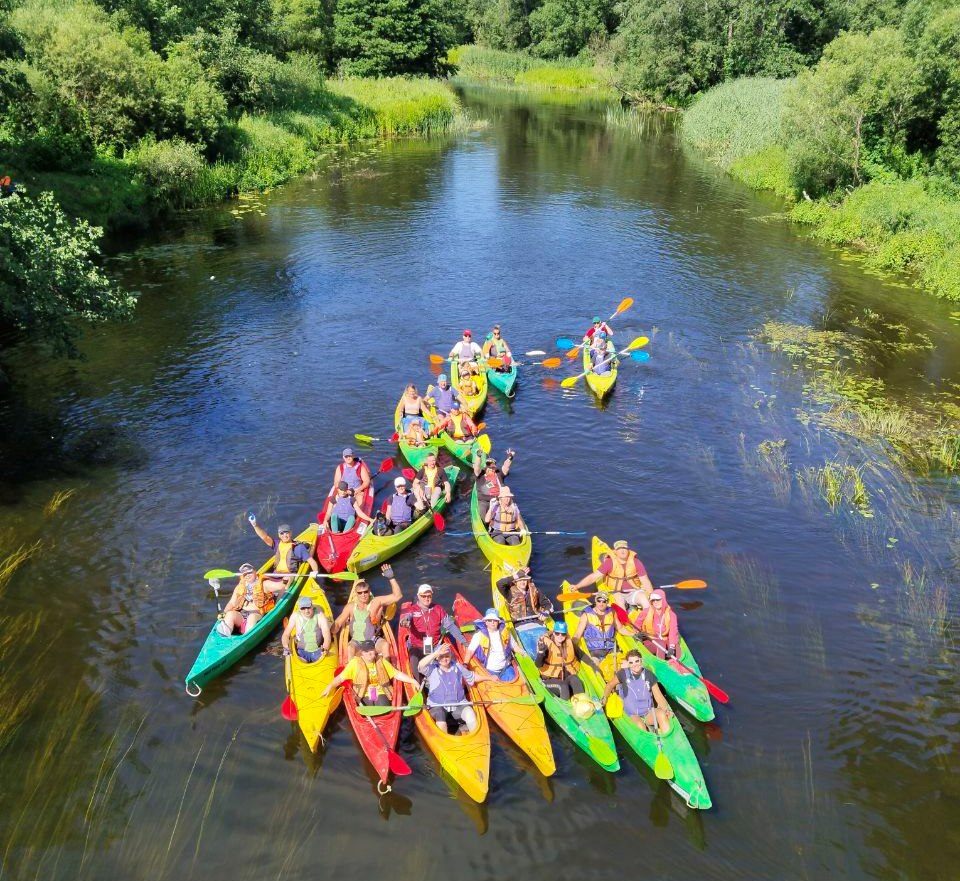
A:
{"x":496,"y":660}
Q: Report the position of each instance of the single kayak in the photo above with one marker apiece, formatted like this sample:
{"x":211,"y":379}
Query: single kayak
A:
{"x":592,"y":734}
{"x":334,"y":548}
{"x":522,"y":723}
{"x":414,"y":455}
{"x":507,"y":556}
{"x":464,"y":757}
{"x":687,"y":779}
{"x":377,"y":734}
{"x":600,"y":383}
{"x":685,"y":688}
{"x":220,"y":652}
{"x":473,"y":404}
{"x":373,"y":549}
{"x":503,"y":380}
{"x":305,"y":681}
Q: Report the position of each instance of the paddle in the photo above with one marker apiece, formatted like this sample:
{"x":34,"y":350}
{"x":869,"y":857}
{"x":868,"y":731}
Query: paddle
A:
{"x":691,"y":584}
{"x":547,"y":362}
{"x":640,"y":356}
{"x":226,"y":573}
{"x":713,"y":690}
{"x":528,"y":532}
{"x":382,"y":711}
{"x":366,"y":439}
{"x":572,"y":380}
{"x":565,"y":343}
{"x":288,"y":709}
{"x":661,"y":766}
{"x":614,"y":706}
{"x":394,"y":762}
{"x":534,"y":352}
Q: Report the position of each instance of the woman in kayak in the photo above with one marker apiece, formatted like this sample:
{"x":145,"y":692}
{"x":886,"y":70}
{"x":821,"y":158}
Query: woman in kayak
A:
{"x":598,"y":325}
{"x":310,"y":629}
{"x":372,"y":677}
{"x":602,"y":353}
{"x":252,"y":599}
{"x":412,"y":405}
{"x":446,"y":695}
{"x":558,"y":659}
{"x":496,"y":346}
{"x":643,"y":700}
{"x":365,"y":615}
{"x":344,"y":509}
{"x":467,"y":353}
{"x":489,"y":477}
{"x":468,"y":385}
{"x":493,"y":647}
{"x":657,"y":623}
{"x":503,"y":519}
{"x":524,"y":599}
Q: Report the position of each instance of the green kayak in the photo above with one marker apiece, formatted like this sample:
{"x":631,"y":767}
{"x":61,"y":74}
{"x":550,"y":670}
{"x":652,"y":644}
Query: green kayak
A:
{"x":687,"y":778}
{"x":220,"y":652}
{"x":503,"y":380}
{"x":373,"y":549}
{"x":464,"y":450}
{"x":414,"y":455}
{"x":593,"y":734}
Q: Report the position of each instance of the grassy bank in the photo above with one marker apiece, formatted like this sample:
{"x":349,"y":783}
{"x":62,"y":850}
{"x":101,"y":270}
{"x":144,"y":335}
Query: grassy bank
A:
{"x":902,"y":225}
{"x":478,"y":64}
{"x":263,"y":150}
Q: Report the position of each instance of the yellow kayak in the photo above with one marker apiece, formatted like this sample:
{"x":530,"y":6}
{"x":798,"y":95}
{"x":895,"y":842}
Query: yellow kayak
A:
{"x":600,"y":383}
{"x":506,"y":556}
{"x":473,"y":404}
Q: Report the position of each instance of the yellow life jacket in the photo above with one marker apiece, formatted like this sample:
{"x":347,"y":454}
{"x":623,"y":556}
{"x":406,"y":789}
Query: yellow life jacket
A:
{"x":431,"y":475}
{"x":371,"y":675}
{"x":485,"y":643}
{"x":507,"y":521}
{"x":559,"y":665}
{"x":282,"y":564}
{"x":621,"y":573}
{"x":457,"y":420}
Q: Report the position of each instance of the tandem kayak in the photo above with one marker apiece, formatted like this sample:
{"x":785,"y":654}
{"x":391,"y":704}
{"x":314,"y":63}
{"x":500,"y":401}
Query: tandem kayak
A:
{"x":592,"y":734}
{"x":503,"y":380}
{"x":220,"y":652}
{"x":687,"y":779}
{"x":507,"y":556}
{"x":377,"y":734}
{"x":685,"y":688}
{"x":600,"y":383}
{"x":464,"y":757}
{"x":305,"y":682}
{"x":472,"y":404}
{"x":334,"y":548}
{"x":373,"y":549}
{"x":416,"y":456}
{"x":522,"y":723}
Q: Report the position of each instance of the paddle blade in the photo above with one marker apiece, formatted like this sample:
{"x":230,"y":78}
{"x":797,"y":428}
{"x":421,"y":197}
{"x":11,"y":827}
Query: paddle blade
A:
{"x":288,"y":709}
{"x":484,"y":442}
{"x":601,"y":751}
{"x":481,"y":426}
{"x":662,"y":767}
{"x":625,"y":304}
{"x":640,"y":356}
{"x":394,"y":437}
{"x":218,"y":573}
{"x":439,"y":522}
{"x":551,"y":362}
{"x":689,"y":584}
{"x":614,"y":706}
{"x":573,"y":353}
{"x":409,"y":473}
{"x":364,"y":438}
{"x":571,"y":596}
{"x":495,"y":362}
{"x":569,"y":382}
{"x":344,"y":576}
{"x":437,"y":359}
{"x":622,"y":617}
{"x":375,"y":711}
{"x":385,"y":466}
{"x":533,"y":353}
{"x":397,"y":765}
{"x":716,"y":691}
{"x":562,"y":343}
{"x":637,"y":343}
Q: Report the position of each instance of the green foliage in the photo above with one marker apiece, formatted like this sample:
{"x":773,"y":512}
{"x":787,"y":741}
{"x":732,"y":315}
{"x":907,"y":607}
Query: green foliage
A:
{"x":518,"y":68}
{"x":503,"y":24}
{"x":169,"y":170}
{"x":48,"y":278}
{"x":561,"y":28}
{"x":937,"y":126}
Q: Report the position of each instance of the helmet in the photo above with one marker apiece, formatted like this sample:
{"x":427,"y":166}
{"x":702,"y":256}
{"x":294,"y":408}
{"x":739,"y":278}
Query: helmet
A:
{"x":560,"y":627}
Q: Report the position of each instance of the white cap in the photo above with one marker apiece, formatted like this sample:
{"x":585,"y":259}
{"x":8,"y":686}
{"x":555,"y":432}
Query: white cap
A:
{"x":506,"y":491}
{"x":400,"y":481}
{"x":424,"y":588}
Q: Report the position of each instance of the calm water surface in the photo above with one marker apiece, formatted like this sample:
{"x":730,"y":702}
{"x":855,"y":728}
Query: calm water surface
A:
{"x":270,"y":331}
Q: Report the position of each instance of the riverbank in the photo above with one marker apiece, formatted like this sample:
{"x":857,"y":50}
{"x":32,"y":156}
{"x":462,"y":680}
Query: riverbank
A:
{"x":266,"y":149}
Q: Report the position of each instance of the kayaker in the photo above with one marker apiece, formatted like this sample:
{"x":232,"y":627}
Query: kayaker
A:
{"x":558,"y":660}
{"x":252,"y":598}
{"x":412,"y":406}
{"x":354,"y":471}
{"x":467,"y":353}
{"x":658,"y":622}
{"x":621,"y":571}
{"x":602,"y":353}
{"x":495,"y":346}
{"x":414,"y":433}
{"x":442,"y":395}
{"x":457,"y":424}
{"x":371,"y":675}
{"x":431,"y":481}
{"x":524,"y":599}
{"x":468,"y":385}
{"x":598,"y":628}
{"x":641,"y":694}
{"x":288,"y":554}
{"x":444,"y":680}
{"x":503,"y":519}
{"x":401,"y":509}
{"x":493,"y":647}
{"x":365,"y":615}
{"x":310,"y":629}
{"x":427,"y":623}
{"x":597,"y":326}
{"x":489,"y":477}
{"x":344,"y":510}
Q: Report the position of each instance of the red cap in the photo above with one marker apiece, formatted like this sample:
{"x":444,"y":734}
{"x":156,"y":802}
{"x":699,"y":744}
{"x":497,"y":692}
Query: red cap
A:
{"x":467,"y":333}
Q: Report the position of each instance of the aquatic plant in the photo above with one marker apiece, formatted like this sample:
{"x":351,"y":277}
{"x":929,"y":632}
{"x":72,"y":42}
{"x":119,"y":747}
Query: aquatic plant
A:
{"x":480,"y":64}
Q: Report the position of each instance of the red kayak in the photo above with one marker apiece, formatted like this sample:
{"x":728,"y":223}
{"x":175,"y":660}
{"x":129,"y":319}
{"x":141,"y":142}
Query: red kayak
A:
{"x":377,"y":734}
{"x":334,"y":548}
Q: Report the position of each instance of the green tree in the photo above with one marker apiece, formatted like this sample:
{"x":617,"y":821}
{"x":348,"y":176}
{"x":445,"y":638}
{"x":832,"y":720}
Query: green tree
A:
{"x":560,"y":28}
{"x":502,"y":24}
{"x":48,"y":278}
{"x":937,"y":127}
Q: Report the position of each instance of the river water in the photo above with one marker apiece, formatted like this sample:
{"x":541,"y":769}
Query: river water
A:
{"x":273,"y":329}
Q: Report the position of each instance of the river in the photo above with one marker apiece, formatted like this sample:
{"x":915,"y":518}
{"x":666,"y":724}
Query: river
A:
{"x":272,"y":329}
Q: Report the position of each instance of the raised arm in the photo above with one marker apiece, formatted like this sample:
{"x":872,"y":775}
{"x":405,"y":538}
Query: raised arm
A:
{"x":395,"y":595}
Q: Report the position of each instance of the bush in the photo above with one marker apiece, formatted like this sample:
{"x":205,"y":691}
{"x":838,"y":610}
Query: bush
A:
{"x":562,"y":28}
{"x":190,"y":104}
{"x":169,"y":170}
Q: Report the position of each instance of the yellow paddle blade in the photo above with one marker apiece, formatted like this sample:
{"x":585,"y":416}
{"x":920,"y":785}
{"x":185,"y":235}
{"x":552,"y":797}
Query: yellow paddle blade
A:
{"x":218,"y":573}
{"x":625,"y":304}
{"x":551,"y":362}
{"x":638,"y":342}
{"x":495,"y":362}
{"x":484,"y":442}
{"x":569,"y":381}
{"x":572,"y":596}
{"x":661,"y":766}
{"x":437,"y":359}
{"x":614,"y":705}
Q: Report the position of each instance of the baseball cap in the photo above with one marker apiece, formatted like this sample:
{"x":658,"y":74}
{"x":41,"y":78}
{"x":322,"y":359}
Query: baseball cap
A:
{"x":424,"y":588}
{"x":284,"y":527}
{"x":467,"y":333}
{"x":368,"y":645}
{"x":400,"y":481}
{"x":305,"y":603}
{"x":246,"y":567}
{"x":620,"y":544}
{"x":600,"y":595}
{"x":443,"y":378}
{"x":347,"y":451}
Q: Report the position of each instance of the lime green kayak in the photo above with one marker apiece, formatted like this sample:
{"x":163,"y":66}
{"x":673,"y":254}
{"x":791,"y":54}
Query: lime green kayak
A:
{"x":507,"y":556}
{"x":600,"y":383}
{"x":414,"y":455}
{"x":464,"y":450}
{"x":374,"y":549}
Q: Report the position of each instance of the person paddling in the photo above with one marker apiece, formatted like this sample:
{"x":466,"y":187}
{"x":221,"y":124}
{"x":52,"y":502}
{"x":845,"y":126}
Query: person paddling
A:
{"x":365,"y":614}
{"x":427,"y":623}
{"x":503,"y":519}
{"x":641,"y":694}
{"x":602,"y":352}
{"x":469,"y":387}
{"x":252,"y":598}
{"x":401,"y":509}
{"x":345,"y":509}
{"x":496,"y":346}
{"x":289,"y":555}
{"x":558,"y":659}
{"x":493,"y":647}
{"x":353,"y":471}
{"x":622,"y":571}
{"x":657,"y":620}
{"x":598,"y":326}
{"x":524,"y":598}
{"x":371,"y":675}
{"x":431,"y":482}
{"x":310,"y":630}
{"x":443,"y":395}
{"x":598,"y":627}
{"x":444,"y":679}
{"x":490,"y":477}
{"x":457,"y":424}
{"x":467,"y":353}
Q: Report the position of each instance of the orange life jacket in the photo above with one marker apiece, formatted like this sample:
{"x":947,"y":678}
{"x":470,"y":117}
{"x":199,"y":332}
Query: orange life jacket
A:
{"x":621,"y":573}
{"x":559,"y":665}
{"x":506,"y":520}
{"x":665,"y":621}
{"x":262,"y":598}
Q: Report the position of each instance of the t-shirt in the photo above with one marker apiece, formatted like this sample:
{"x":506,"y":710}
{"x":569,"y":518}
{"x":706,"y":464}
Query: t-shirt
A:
{"x":496,"y":660}
{"x":606,"y":567}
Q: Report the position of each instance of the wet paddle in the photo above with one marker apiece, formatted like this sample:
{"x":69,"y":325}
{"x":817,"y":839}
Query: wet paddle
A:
{"x":661,"y":766}
{"x":528,"y":532}
{"x":366,"y":439}
{"x":226,"y":573}
{"x":572,"y":380}
{"x":691,"y":584}
{"x":382,"y":711}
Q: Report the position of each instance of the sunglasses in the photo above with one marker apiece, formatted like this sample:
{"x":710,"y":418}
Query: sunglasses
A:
{"x":285,"y":532}
{"x":363,"y":591}
{"x":656,"y":601}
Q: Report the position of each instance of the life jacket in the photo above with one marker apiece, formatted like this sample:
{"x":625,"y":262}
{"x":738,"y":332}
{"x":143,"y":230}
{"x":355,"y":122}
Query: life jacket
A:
{"x":560,"y":664}
{"x":465,"y":351}
{"x":423,"y":623}
{"x":505,"y":520}
{"x":456,"y":420}
{"x":351,"y":474}
{"x":483,"y":651}
{"x":262,"y":598}
{"x":445,"y":686}
{"x":621,"y":573}
{"x":363,"y":626}
{"x":430,"y":476}
{"x":657,"y":629}
{"x":601,"y":360}
{"x":444,"y":398}
{"x":362,"y":679}
{"x":399,"y":510}
{"x":414,"y":434}
{"x":600,"y":634}
{"x":283,"y":557}
{"x":636,"y":692}
{"x":308,"y":631}
{"x":468,"y":385}
{"x":343,"y":507}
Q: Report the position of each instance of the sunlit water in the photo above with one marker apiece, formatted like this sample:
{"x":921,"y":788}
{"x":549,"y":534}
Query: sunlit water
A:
{"x":271,"y":331}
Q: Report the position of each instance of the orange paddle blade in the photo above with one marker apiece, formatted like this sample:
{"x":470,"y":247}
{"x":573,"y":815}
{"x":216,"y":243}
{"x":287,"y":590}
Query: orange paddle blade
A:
{"x":572,"y":596}
{"x":625,"y":304}
{"x":572,"y":353}
{"x":691,"y":584}
{"x":551,"y":362}
{"x":437,"y":359}
{"x":495,"y":362}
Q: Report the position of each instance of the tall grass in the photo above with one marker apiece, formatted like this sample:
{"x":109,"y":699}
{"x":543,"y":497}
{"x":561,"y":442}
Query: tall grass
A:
{"x":479,"y":64}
